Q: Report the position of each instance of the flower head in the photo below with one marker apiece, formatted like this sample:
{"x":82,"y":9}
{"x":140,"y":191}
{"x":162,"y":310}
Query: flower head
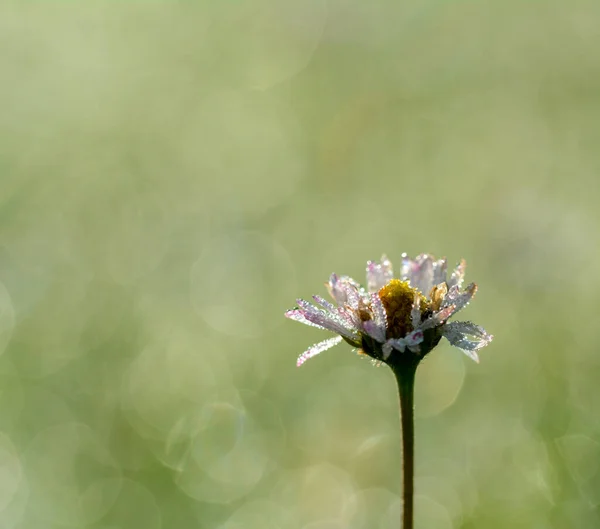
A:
{"x":395,"y":317}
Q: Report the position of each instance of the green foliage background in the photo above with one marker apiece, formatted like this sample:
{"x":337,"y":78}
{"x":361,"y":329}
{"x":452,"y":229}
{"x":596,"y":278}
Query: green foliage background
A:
{"x":174,"y":175}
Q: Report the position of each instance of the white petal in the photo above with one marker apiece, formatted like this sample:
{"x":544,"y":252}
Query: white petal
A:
{"x":349,"y":317}
{"x":398,"y":344}
{"x":439,"y":271}
{"x":353,"y":297}
{"x":318,"y":348}
{"x":422,"y":274}
{"x":298,"y":315}
{"x":467,"y":336}
{"x":341,"y":287}
{"x":328,"y":320}
{"x":459,"y":299}
{"x":406,"y":268}
{"x":335,"y":289}
{"x":438,"y":318}
{"x":387,"y":350}
{"x":379,"y":274}
{"x":415,"y":313}
{"x":465,"y":297}
{"x":379,"y":314}
{"x":414,"y":338}
{"x":374,"y":331}
{"x":451,"y":295}
{"x":324,"y":303}
{"x":387,"y":267}
{"x":458,"y":275}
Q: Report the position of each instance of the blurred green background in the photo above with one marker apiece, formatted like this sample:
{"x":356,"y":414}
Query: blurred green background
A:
{"x":174,"y":175}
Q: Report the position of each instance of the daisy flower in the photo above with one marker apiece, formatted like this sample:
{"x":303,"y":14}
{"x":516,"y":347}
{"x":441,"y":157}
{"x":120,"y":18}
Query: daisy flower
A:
{"x":392,"y":317}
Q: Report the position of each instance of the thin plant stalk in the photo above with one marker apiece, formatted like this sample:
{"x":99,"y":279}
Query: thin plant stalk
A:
{"x":396,"y":321}
{"x":405,"y":377}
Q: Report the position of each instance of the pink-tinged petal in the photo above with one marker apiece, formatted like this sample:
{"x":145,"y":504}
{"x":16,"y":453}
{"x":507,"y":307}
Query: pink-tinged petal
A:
{"x":468,"y":337}
{"x":387,"y":350}
{"x":324,"y":303}
{"x":309,"y":308}
{"x":465,"y":297}
{"x":379,"y":274}
{"x":298,"y":315}
{"x":458,"y":275}
{"x":344,"y":290}
{"x":340,"y":287}
{"x":413,"y":341}
{"x":329,"y":320}
{"x":415,"y":313}
{"x":333,"y":326}
{"x":353,"y":297}
{"x":373,"y":276}
{"x":438,"y":295}
{"x":442,"y":315}
{"x":386,"y":266}
{"x":398,"y":343}
{"x":406,"y":268}
{"x":453,"y":293}
{"x":460,"y":299}
{"x":374,"y":331}
{"x":348,"y":316}
{"x":335,"y":289}
{"x":440,"y":271}
{"x":414,"y":338}
{"x":422,"y":275}
{"x":438,"y":318}
{"x":318,"y":348}
{"x":379,"y":314}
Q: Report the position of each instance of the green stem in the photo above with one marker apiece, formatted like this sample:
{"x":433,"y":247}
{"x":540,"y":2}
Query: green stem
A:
{"x":405,"y":377}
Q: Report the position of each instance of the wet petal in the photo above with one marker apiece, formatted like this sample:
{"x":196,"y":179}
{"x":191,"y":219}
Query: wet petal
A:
{"x":415,"y":313}
{"x":460,"y":299}
{"x":328,"y":320}
{"x":438,"y":318}
{"x":422,"y":274}
{"x":374,"y":331}
{"x":379,"y":314}
{"x":379,"y":274}
{"x":467,"y":336}
{"x":453,"y":293}
{"x":406,"y":268}
{"x":387,"y":350}
{"x":387,"y":267}
{"x":298,"y":315}
{"x":397,"y":343}
{"x":437,"y":296}
{"x":318,"y":348}
{"x":414,"y":339}
{"x":458,"y":275}
{"x":335,"y":289}
{"x":353,"y":297}
{"x":440,"y":271}
{"x":324,"y":303}
{"x":348,"y":316}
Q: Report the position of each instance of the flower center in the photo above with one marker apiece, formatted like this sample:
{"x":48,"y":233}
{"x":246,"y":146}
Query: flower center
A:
{"x":398,"y":298}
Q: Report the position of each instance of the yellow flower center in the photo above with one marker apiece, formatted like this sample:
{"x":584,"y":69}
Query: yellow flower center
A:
{"x":398,"y":298}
